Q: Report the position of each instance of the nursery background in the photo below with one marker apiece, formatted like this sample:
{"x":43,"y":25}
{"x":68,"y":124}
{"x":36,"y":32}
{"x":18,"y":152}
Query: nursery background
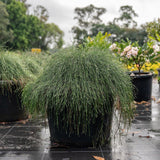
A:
{"x":29,"y":24}
{"x":79,"y":79}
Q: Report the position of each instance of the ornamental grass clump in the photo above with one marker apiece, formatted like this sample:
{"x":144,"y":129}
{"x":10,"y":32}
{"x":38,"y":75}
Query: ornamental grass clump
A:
{"x":11,"y":71}
{"x":32,"y":64}
{"x":81,"y":87}
{"x":17,"y":69}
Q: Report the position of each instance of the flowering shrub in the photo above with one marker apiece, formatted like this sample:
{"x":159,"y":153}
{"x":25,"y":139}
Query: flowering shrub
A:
{"x":99,"y":41}
{"x":135,"y":56}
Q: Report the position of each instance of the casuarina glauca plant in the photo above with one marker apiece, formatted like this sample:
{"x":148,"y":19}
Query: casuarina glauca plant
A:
{"x":79,"y":91}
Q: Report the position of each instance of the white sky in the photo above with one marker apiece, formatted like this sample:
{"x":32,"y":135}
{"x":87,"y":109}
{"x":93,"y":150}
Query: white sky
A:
{"x":61,"y":12}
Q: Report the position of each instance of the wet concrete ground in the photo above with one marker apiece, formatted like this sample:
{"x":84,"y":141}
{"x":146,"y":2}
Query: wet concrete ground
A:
{"x":30,"y":140}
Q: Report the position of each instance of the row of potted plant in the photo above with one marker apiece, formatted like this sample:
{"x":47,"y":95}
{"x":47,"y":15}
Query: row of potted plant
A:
{"x":16,"y":70}
{"x":80,"y":89}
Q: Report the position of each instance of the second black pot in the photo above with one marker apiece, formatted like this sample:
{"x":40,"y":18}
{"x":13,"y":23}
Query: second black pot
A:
{"x":142,"y":84}
{"x":10,"y":104}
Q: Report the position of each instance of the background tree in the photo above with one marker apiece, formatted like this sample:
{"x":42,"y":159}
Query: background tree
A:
{"x":87,"y":17}
{"x":26,"y":4}
{"x":18,"y":21}
{"x":42,"y":13}
{"x":153,"y":29}
{"x":5,"y":35}
{"x":30,"y":31}
{"x":90,"y":24}
{"x":34,"y":31}
{"x":120,"y":33}
{"x":6,"y":1}
{"x":115,"y":31}
{"x":135,"y":34}
{"x":126,"y":16}
{"x":126,"y":28}
{"x":52,"y":35}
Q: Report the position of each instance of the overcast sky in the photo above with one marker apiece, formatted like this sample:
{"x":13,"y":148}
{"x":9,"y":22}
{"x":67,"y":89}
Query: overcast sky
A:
{"x":61,"y":12}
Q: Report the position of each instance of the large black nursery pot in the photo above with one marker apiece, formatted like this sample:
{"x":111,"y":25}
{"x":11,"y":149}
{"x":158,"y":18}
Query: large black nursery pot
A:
{"x":10,"y":103}
{"x":142,"y":83}
{"x":60,"y":136}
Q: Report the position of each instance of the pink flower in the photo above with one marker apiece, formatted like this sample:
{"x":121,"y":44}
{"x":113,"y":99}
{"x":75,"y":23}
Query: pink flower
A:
{"x":127,"y":48}
{"x":129,"y":54}
{"x":123,"y":53}
{"x":134,"y":51}
{"x":156,"y":48}
{"x":113,"y":47}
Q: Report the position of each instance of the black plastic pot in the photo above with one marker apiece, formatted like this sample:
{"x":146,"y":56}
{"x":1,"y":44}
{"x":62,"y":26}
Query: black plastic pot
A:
{"x":59,"y":135}
{"x":10,"y":104}
{"x":158,"y":72}
{"x":142,"y":85}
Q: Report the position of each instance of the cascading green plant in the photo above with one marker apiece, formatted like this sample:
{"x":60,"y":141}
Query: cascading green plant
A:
{"x":81,"y":86}
{"x":18,"y":69}
{"x":11,"y":70}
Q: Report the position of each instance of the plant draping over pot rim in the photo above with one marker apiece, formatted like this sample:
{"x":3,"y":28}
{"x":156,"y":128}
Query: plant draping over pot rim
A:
{"x":16,"y":69}
{"x":11,"y":71}
{"x":135,"y":56}
{"x":79,"y":86}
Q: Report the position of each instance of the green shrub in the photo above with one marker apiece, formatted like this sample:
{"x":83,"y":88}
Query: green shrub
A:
{"x":99,"y":41}
{"x":79,"y":86}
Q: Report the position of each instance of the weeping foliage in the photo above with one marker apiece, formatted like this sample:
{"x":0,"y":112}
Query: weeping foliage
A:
{"x":33,"y":63}
{"x":81,"y":86}
{"x":18,"y":69}
{"x":11,"y":70}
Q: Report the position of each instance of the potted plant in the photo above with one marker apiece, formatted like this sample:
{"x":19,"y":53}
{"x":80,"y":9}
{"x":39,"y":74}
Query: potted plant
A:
{"x":15,"y":72}
{"x":137,"y":57}
{"x":79,"y":91}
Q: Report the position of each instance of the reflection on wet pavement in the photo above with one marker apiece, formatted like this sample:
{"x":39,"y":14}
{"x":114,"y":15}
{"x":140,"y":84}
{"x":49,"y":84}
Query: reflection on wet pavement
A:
{"x":30,"y":141}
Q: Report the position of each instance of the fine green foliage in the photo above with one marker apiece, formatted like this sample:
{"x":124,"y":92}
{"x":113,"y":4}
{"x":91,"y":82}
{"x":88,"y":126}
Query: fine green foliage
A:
{"x":19,"y":68}
{"x":33,"y":63}
{"x":12,"y":74}
{"x":81,"y":86}
{"x":11,"y":67}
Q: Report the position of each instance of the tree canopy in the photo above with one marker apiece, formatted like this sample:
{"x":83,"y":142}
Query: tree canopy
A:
{"x":86,"y":17}
{"x":5,"y":35}
{"x":122,"y":28}
{"x":29,"y":31}
{"x":153,"y":29}
{"x":127,"y":14}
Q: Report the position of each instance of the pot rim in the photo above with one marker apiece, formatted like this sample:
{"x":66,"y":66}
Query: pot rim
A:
{"x":136,"y":74}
